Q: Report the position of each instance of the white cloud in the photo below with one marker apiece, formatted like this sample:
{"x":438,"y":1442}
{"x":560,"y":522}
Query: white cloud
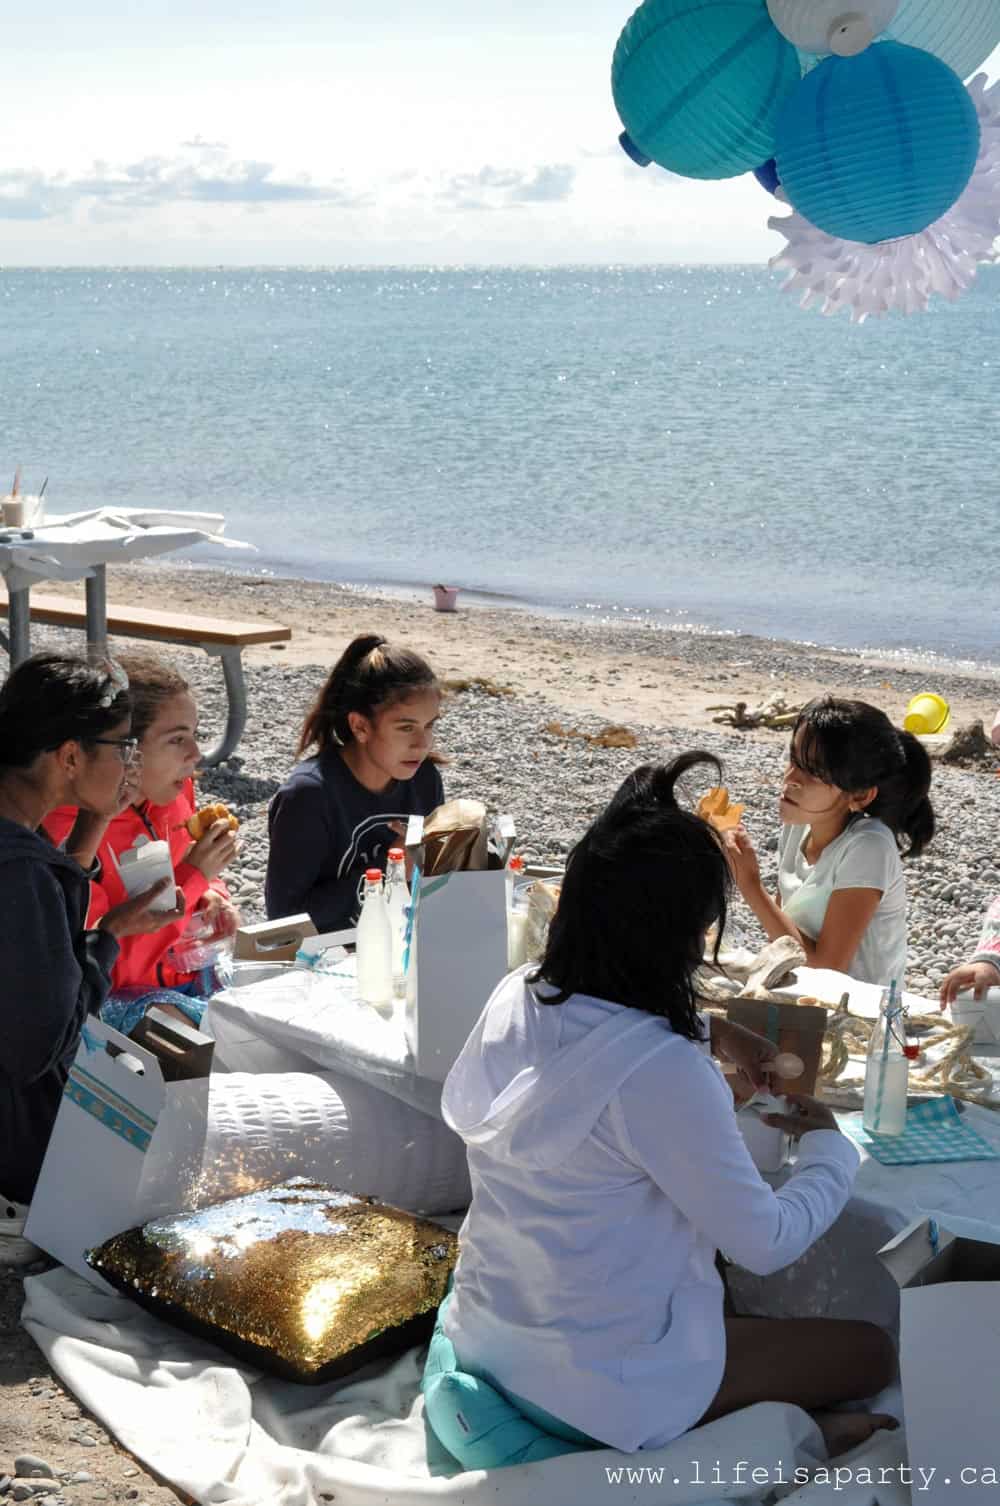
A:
{"x":323,"y":132}
{"x":507,"y":188}
{"x":157,"y":181}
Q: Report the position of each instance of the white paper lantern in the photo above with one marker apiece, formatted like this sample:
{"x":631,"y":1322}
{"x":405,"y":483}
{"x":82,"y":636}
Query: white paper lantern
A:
{"x":962,"y":33}
{"x":844,"y":27}
{"x":903,"y":275}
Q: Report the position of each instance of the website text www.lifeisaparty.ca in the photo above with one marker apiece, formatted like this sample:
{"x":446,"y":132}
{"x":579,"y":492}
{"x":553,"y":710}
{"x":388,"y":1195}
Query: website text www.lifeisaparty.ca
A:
{"x":839,"y":1478}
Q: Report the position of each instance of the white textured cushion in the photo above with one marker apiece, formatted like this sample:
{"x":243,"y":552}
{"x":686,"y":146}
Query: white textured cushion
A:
{"x":263,"y":1127}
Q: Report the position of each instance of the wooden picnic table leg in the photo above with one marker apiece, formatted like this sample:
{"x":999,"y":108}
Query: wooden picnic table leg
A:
{"x":19,"y":625}
{"x":96,"y":588}
{"x":236,"y":703}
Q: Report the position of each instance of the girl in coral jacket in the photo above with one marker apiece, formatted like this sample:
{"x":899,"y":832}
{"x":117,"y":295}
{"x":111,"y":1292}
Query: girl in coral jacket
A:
{"x":165,"y":720}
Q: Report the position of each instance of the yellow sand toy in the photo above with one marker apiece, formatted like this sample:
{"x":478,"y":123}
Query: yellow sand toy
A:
{"x":927,"y":714}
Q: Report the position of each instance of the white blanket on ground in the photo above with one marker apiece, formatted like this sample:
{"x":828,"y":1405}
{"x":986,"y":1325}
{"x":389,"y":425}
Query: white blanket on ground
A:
{"x":226,"y":1434}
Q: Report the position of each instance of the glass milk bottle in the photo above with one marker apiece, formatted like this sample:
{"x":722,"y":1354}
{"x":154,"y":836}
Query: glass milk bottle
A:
{"x":397,"y":903}
{"x":374,"y":945}
{"x":887,"y":1070}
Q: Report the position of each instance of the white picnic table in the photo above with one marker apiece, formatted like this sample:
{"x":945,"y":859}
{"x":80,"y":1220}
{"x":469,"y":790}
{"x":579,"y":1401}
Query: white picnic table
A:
{"x":80,"y":546}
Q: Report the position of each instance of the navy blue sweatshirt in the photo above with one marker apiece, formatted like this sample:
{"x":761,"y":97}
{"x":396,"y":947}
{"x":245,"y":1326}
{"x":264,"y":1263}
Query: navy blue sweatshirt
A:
{"x":325,"y":829}
{"x":53,"y":974}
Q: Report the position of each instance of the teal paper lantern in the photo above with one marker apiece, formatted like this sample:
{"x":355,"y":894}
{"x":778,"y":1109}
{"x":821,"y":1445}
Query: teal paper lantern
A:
{"x":878,"y":146}
{"x":962,"y":33}
{"x":699,"y":85}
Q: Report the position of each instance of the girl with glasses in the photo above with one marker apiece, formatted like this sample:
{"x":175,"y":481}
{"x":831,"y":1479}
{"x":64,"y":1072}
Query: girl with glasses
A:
{"x":65,"y":739}
{"x":160,"y":968}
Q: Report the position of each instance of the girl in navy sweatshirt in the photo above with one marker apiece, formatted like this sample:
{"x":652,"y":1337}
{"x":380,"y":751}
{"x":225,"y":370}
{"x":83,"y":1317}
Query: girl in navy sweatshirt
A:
{"x":339,"y":812}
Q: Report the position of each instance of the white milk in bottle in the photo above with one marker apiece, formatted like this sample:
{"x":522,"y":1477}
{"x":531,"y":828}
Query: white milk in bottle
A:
{"x":374,"y":956}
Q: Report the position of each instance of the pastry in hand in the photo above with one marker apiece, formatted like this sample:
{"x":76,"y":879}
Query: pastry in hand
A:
{"x":198,"y":824}
{"x":717,"y":811}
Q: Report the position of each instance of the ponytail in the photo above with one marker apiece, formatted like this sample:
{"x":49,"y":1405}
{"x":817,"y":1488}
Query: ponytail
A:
{"x":852,"y":746}
{"x":902,"y":801}
{"x":370,"y":674}
{"x":641,"y":888}
{"x":53,"y":699}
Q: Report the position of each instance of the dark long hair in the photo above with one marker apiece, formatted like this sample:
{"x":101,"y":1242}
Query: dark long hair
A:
{"x":642,"y":886}
{"x":53,"y":699}
{"x":370,"y":674}
{"x":853,"y":746}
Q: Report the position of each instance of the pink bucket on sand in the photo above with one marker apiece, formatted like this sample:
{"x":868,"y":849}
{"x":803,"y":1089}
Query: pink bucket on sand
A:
{"x":445,"y":598}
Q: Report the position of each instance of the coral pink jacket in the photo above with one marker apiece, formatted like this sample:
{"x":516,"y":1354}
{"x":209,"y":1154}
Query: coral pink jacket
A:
{"x":142,"y":961}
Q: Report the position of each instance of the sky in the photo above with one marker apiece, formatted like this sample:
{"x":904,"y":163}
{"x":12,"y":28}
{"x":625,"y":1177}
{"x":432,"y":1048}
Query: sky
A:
{"x":364,"y":132}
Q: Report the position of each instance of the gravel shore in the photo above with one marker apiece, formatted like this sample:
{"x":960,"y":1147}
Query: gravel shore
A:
{"x":499,"y":751}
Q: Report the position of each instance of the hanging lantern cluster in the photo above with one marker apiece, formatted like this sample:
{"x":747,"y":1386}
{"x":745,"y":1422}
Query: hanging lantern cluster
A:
{"x":853,"y":112}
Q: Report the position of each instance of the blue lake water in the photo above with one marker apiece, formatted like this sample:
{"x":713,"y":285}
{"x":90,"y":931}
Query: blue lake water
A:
{"x":683,"y":442}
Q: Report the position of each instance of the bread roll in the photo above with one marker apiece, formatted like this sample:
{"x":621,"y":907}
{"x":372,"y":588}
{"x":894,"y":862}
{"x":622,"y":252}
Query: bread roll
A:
{"x":198,"y":824}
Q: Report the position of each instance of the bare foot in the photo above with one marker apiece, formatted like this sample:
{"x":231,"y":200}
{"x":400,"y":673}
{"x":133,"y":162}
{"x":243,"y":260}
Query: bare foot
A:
{"x":845,"y":1430}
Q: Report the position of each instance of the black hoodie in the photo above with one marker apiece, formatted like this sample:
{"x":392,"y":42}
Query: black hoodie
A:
{"x":53,"y":974}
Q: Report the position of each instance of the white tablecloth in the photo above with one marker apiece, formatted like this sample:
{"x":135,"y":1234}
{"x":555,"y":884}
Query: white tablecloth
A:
{"x":841,"y":1275}
{"x":68,"y":547}
{"x":302,"y":1019}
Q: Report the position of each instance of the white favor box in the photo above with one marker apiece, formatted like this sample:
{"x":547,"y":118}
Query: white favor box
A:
{"x":983,"y":1015}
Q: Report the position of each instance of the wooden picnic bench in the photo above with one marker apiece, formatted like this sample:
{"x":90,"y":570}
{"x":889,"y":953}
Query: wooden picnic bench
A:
{"x":215,"y":635}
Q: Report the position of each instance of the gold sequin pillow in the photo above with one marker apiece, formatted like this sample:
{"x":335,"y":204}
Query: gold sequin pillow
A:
{"x":300,"y":1279}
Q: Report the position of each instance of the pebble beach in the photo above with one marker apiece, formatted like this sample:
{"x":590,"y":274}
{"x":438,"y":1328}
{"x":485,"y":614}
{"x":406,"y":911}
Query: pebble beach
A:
{"x":516,"y":674}
{"x":529,"y":694}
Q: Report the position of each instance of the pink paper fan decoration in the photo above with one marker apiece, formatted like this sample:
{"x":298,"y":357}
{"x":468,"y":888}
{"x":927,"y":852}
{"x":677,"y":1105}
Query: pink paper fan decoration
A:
{"x":903,"y":275}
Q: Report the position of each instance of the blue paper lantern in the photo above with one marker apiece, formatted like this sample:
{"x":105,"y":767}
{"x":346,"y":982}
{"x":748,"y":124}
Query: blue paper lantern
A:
{"x":767,"y":175}
{"x":699,"y":84}
{"x":962,"y":33}
{"x":878,"y":146}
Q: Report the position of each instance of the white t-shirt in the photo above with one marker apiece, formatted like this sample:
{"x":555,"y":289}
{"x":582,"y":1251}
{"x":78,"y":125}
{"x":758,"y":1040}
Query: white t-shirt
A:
{"x":865,"y":856}
{"x":607,"y":1168}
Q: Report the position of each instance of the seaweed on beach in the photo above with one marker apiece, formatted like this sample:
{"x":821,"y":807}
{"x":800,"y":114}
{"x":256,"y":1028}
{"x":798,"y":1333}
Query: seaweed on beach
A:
{"x":477,"y":682}
{"x":607,"y":737}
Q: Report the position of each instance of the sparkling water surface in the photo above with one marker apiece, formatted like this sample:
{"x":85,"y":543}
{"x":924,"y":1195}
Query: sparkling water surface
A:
{"x":680,"y":442}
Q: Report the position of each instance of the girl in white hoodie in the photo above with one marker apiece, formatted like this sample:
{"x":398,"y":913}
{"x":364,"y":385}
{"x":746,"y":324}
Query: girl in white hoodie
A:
{"x":608,"y":1170}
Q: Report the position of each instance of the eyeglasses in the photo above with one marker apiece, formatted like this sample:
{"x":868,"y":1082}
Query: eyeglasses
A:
{"x":128,"y":748}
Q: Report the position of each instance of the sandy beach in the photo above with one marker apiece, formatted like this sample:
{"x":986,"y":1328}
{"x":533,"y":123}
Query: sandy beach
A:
{"x":620,"y":669}
{"x":580,"y":674}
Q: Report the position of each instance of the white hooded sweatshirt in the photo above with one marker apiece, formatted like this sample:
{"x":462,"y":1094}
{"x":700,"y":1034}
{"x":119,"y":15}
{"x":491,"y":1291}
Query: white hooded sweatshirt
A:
{"x":607,"y":1170}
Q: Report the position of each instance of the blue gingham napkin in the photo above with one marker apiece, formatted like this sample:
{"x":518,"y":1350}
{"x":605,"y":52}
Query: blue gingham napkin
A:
{"x":934,"y":1132}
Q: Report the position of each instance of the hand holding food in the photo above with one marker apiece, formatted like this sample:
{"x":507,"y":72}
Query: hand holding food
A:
{"x":742,"y":860}
{"x":215,"y":847}
{"x":203,"y":820}
{"x":717,"y":811}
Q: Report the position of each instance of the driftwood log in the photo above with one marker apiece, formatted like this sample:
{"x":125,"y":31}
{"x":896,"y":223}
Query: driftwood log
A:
{"x":775,"y":714}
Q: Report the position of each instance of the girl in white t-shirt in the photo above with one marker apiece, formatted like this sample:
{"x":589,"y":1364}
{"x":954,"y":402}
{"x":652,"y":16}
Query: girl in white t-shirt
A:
{"x":854,"y":797}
